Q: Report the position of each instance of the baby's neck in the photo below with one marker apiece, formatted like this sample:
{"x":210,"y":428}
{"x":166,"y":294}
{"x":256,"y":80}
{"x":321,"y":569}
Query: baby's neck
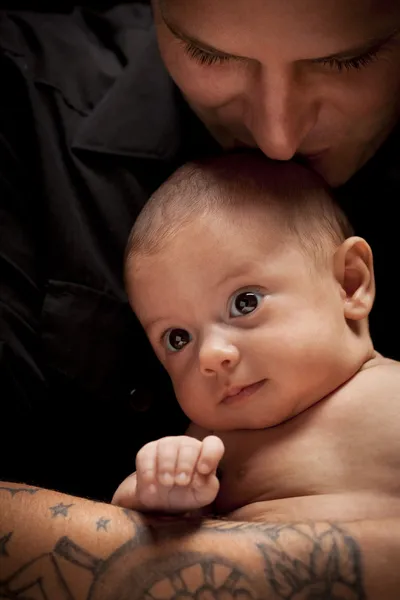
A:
{"x":360,"y":348}
{"x":375,"y":360}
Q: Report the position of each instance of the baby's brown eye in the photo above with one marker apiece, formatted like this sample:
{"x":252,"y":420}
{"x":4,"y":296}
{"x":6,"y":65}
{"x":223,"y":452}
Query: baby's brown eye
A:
{"x":244,"y":303}
{"x":176,"y":339}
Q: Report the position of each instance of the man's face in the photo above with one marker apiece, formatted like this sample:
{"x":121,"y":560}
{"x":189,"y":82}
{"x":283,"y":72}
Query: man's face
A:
{"x":250,"y":330}
{"x":317,"y":79}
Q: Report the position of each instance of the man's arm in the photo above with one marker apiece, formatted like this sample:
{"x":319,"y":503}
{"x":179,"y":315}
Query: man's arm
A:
{"x":57,"y":547}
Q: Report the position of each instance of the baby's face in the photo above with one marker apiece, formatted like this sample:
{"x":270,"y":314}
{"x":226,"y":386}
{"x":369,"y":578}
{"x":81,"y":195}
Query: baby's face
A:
{"x":249,"y":329}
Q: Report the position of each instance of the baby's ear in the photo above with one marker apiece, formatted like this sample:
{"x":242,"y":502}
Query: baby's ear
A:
{"x":354,"y":271}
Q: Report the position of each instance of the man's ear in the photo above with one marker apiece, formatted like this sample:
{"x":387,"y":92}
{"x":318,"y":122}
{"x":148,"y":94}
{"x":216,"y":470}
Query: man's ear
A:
{"x":354,"y":271}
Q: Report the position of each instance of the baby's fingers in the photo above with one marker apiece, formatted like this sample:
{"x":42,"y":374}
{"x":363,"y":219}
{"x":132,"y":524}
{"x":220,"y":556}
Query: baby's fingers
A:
{"x":167,"y":458}
{"x":126,"y":493}
{"x":212,"y":450}
{"x":188,"y":456}
{"x":146,"y":464}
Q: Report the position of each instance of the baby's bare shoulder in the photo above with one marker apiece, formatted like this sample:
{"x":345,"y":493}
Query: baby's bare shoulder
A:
{"x":372,"y":394}
{"x":377,"y":377}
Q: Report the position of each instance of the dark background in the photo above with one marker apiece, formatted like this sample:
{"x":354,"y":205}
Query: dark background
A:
{"x":61,"y":5}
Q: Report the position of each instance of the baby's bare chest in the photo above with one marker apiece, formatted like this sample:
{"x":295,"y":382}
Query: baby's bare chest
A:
{"x":305,"y":458}
{"x":256,"y":467}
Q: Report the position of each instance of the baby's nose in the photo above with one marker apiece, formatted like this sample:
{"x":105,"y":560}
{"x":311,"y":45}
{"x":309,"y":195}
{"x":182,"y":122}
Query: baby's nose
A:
{"x":217,"y":354}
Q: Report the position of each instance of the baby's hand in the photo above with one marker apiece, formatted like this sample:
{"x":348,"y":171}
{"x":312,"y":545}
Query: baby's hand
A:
{"x":173,"y":474}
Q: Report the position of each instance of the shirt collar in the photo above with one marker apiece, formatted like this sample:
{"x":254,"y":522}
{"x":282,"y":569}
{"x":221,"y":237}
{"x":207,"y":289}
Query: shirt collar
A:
{"x":139,"y":115}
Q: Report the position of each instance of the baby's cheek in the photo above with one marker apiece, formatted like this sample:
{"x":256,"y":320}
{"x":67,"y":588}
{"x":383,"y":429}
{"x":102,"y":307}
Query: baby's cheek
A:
{"x":178,"y":379}
{"x":183,"y":387}
{"x":159,"y":352}
{"x":185,"y":375}
{"x":187,"y":393}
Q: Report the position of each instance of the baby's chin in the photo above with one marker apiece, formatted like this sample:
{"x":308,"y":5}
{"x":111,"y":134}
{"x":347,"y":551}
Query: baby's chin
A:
{"x":265,"y":415}
{"x":257,"y":420}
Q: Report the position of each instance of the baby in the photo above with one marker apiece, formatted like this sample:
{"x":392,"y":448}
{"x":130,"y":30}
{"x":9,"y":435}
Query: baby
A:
{"x":255,"y":295}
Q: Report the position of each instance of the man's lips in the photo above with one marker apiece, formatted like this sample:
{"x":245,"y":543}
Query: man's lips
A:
{"x":313,"y":155}
{"x":239,"y":392}
{"x":239,"y":144}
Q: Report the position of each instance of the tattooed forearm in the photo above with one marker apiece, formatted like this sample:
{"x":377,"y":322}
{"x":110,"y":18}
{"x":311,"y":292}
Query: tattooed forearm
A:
{"x":286,"y":562}
{"x":238,"y":561}
{"x":18,"y":490}
{"x":100,"y":552}
{"x":181,"y":576}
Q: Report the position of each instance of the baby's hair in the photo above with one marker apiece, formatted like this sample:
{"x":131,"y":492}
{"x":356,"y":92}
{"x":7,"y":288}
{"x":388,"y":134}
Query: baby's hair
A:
{"x":229,"y":185}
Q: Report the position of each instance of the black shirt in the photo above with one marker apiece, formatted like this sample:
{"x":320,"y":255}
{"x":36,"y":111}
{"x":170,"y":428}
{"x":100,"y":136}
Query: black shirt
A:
{"x":90,"y":125}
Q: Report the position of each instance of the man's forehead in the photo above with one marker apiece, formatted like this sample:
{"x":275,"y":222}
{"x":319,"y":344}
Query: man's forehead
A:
{"x":304,"y":12}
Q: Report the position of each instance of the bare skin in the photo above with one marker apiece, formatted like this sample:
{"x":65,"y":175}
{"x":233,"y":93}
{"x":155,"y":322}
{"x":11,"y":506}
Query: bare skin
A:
{"x":68,"y":548}
{"x":338,"y":459}
{"x":320,"y":80}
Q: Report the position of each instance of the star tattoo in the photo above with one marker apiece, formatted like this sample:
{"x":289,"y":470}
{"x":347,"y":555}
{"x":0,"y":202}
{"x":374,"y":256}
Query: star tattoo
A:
{"x":18,"y":490}
{"x":3,"y":541}
{"x":60,"y":510}
{"x":102,"y":523}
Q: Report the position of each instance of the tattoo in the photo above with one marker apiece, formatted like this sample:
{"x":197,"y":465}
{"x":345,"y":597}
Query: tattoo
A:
{"x":60,"y":509}
{"x":304,"y":560}
{"x":330,"y":569}
{"x":188,"y":575}
{"x":76,"y":555}
{"x":102,"y":523}
{"x":129,"y":514}
{"x":3,"y":543}
{"x":247,"y":561}
{"x":17,"y":490}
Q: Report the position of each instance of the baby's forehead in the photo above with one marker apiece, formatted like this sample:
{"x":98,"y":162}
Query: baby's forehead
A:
{"x":237,"y":227}
{"x":220,"y":238}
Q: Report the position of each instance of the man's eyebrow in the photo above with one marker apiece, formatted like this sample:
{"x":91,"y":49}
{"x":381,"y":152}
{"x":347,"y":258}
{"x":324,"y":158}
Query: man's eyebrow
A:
{"x":371,"y":45}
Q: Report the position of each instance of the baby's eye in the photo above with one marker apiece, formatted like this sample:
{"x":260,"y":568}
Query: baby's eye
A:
{"x":176,"y":339}
{"x":243,"y":303}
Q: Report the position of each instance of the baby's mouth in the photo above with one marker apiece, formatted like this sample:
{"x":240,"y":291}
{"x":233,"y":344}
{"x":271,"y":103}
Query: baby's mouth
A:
{"x":238,"y":393}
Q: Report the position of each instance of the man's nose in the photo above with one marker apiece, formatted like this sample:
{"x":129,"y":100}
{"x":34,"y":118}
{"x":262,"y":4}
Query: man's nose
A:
{"x":281,"y":112}
{"x":217,"y":354}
